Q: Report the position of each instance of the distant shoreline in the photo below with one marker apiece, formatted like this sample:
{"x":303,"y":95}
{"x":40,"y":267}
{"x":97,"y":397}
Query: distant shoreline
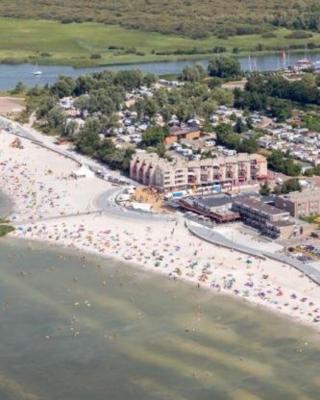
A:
{"x":149,"y":60}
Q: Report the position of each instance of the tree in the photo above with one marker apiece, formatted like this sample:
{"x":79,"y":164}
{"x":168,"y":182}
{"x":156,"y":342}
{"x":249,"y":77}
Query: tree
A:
{"x":224,"y":129}
{"x":193,"y":73}
{"x":108,"y":123}
{"x":292,"y":169}
{"x":278,"y":162}
{"x":88,"y":141}
{"x":64,"y":87}
{"x":222,"y":96}
{"x":149,"y":79}
{"x":161,"y":149}
{"x":265,"y":189}
{"x":292,"y":185}
{"x":129,"y":79}
{"x":153,"y":136}
{"x":47,"y":104}
{"x":280,"y":109}
{"x":150,"y":107}
{"x":209,"y":107}
{"x":56,"y":118}
{"x":249,"y":122}
{"x":227,"y":137}
{"x":20,"y":88}
{"x":82,"y":103}
{"x":84,"y":84}
{"x":100,"y":101}
{"x":248,"y":146}
{"x":71,"y":129}
{"x":240,"y":126}
{"x":224,"y":67}
{"x":113,"y":157}
{"x":214,"y":82}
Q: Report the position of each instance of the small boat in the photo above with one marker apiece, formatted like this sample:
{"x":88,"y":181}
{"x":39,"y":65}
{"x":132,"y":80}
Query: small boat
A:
{"x":36,"y":71}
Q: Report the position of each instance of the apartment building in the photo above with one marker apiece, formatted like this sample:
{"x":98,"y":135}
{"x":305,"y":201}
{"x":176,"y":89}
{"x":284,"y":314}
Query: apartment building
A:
{"x":211,"y":175}
{"x":300,"y":204}
{"x":269,"y":220}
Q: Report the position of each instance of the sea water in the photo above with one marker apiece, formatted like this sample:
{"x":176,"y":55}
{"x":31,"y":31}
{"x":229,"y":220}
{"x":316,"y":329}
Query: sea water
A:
{"x":75,"y":327}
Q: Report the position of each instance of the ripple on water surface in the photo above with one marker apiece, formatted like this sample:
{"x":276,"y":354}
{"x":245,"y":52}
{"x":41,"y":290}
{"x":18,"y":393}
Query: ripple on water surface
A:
{"x":77,"y":328}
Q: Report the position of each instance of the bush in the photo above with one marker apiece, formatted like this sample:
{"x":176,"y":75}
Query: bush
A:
{"x":268,"y":35}
{"x":95,"y":56}
{"x":299,"y":35}
{"x":224,"y":67}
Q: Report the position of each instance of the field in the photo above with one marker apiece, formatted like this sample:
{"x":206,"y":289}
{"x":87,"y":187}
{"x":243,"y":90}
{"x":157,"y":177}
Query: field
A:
{"x":187,"y":17}
{"x":89,"y":43}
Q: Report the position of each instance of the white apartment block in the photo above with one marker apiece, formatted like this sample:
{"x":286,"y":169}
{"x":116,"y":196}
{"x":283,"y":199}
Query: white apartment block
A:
{"x":221,"y":173}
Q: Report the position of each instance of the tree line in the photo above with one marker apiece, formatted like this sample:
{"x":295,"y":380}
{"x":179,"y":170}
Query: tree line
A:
{"x":190,"y":17}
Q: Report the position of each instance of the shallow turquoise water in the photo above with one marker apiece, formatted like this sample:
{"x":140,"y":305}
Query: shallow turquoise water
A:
{"x":89,"y":329}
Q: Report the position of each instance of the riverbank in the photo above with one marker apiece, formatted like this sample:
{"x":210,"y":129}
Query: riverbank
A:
{"x":47,"y":198}
{"x":93,"y":44}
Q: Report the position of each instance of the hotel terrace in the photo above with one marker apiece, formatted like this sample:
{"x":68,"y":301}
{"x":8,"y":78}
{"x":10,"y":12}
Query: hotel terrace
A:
{"x":211,"y":175}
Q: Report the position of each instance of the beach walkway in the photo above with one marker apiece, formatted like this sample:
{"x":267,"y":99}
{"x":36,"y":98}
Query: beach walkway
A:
{"x":211,"y":236}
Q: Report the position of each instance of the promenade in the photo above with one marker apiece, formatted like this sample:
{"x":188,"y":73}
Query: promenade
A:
{"x":216,"y":238}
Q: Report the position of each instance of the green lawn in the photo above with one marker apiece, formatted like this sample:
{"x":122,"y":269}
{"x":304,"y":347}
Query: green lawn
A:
{"x":30,"y":40}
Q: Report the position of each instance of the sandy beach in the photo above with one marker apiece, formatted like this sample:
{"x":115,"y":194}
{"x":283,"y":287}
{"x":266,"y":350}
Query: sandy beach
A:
{"x":46,"y":203}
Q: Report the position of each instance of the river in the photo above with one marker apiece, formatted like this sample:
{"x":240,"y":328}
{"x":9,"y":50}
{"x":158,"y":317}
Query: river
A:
{"x":78,"y":328}
{"x":10,"y":75}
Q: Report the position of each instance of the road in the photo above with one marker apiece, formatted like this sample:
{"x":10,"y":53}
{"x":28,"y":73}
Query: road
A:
{"x":107,"y":202}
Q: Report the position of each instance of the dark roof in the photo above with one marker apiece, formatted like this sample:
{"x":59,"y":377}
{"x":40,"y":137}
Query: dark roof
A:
{"x":216,"y":200}
{"x":283,"y":222}
{"x":259,"y":205}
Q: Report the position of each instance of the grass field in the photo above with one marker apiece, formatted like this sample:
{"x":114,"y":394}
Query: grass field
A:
{"x":78,"y":44}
